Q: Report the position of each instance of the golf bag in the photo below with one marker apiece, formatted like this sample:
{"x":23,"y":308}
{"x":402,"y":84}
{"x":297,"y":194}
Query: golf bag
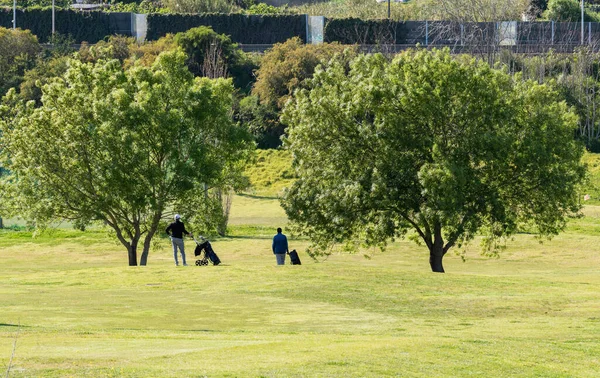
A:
{"x":294,"y":257}
{"x":205,"y":252}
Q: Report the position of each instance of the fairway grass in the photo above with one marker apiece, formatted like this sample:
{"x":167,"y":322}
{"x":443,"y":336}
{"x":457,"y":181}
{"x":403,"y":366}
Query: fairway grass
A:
{"x":74,"y":308}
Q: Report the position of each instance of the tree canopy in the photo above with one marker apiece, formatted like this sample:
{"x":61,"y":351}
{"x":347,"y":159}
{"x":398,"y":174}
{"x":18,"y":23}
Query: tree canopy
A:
{"x":443,"y":147}
{"x":18,"y":50}
{"x":124,"y":147}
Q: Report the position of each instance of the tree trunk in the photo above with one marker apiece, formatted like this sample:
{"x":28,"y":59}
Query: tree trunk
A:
{"x":146,"y":250}
{"x":132,"y":252}
{"x":435,"y":260}
{"x":1,"y":223}
{"x":151,"y":231}
{"x":436,"y":250}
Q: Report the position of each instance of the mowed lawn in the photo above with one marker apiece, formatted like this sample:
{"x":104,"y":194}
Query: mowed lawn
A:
{"x":70,"y":306}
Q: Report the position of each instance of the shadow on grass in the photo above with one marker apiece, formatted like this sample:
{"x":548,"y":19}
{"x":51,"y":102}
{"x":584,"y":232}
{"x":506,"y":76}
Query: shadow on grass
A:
{"x":254,"y":196}
{"x":261,"y":237}
{"x":13,"y":325}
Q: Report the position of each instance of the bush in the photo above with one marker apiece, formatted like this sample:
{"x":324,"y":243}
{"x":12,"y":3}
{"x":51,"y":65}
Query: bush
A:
{"x":41,"y":74}
{"x":567,"y":11}
{"x":116,"y":47}
{"x":215,"y":55}
{"x":201,"y":6}
{"x":283,"y":69}
{"x":287,"y":65}
{"x":18,"y":52}
{"x":262,"y":8}
{"x":262,"y":121}
{"x":147,"y":52}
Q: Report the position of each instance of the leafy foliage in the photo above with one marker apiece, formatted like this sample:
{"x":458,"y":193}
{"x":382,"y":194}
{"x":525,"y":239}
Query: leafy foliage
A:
{"x":284,"y":69}
{"x":18,"y":52}
{"x":441,"y":146}
{"x":115,"y":47}
{"x":144,"y":7}
{"x":568,"y":11}
{"x":262,"y":8}
{"x":124,"y":147}
{"x":200,"y":6}
{"x":287,"y":65}
{"x":43,"y":73}
{"x":262,"y":120}
{"x":215,"y":55}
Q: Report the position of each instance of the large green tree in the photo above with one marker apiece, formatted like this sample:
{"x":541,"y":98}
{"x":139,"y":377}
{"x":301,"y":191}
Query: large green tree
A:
{"x":124,"y":147}
{"x":446,"y":147}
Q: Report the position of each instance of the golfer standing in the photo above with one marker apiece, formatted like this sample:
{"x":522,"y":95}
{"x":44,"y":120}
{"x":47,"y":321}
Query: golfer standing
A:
{"x":176,"y":231}
{"x":280,"y":247}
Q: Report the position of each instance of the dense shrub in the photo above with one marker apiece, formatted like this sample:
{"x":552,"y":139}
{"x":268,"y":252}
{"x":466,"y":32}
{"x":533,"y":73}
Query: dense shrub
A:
{"x":283,"y":69}
{"x":18,"y":52}
{"x":261,"y":120}
{"x":200,"y":6}
{"x":116,"y":47}
{"x":215,"y":55}
{"x":262,"y":8}
{"x":287,"y":65}
{"x":567,"y":11}
{"x":147,"y":52}
{"x":43,"y":72}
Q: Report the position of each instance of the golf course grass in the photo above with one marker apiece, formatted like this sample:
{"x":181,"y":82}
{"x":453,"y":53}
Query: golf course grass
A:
{"x":71,"y":307}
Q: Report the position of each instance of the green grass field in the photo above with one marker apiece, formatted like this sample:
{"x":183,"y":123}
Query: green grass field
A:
{"x":69,"y":306}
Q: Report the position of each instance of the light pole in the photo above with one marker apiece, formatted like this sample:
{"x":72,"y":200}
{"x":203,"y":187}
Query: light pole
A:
{"x":582,"y":30}
{"x":14,"y":14}
{"x":390,"y":12}
{"x":53,"y":17}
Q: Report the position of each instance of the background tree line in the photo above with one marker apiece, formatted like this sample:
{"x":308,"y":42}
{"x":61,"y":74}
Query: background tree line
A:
{"x":265,"y":82}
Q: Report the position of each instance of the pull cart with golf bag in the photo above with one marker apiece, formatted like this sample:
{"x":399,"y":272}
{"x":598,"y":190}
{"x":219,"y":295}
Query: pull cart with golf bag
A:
{"x":205,"y":253}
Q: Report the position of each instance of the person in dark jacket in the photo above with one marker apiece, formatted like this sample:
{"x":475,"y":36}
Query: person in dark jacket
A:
{"x":176,"y":230}
{"x":280,"y":247}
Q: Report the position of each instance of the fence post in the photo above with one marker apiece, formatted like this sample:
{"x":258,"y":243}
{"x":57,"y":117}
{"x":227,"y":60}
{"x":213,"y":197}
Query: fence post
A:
{"x":589,"y":33}
{"x":552,"y":33}
{"x":307,"y":29}
{"x":426,"y":33}
{"x":139,"y":26}
{"x":462,"y":34}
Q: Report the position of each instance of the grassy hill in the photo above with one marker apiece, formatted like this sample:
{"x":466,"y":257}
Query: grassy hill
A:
{"x":271,"y":173}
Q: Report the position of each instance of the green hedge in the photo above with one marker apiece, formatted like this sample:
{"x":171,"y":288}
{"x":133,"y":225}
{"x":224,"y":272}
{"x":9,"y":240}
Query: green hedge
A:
{"x":82,"y":26}
{"x":349,"y":31}
{"x":245,"y":29}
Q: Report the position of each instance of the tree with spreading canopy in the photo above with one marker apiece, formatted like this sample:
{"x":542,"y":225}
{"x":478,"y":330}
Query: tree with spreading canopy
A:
{"x":444,"y":146}
{"x":127,"y":148}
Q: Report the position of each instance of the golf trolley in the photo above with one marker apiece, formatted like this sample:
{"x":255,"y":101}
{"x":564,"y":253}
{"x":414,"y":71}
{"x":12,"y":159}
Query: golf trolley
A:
{"x":205,"y":253}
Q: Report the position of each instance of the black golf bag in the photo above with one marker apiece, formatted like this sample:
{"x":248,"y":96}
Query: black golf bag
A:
{"x":294,"y":257}
{"x":205,"y":252}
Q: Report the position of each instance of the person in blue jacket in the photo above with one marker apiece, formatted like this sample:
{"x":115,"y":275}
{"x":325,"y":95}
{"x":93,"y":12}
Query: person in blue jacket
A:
{"x":280,"y":247}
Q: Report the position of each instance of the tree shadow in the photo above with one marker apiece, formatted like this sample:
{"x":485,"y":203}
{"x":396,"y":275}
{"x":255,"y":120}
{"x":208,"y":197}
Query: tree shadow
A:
{"x":254,"y":196}
{"x":250,"y":237}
